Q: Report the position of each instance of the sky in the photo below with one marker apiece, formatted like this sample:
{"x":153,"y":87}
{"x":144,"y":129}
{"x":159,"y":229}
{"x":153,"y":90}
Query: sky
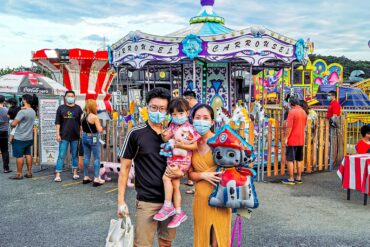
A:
{"x":337,"y":27}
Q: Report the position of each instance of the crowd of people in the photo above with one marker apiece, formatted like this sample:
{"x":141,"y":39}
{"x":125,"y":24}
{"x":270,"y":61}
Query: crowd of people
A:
{"x":157,"y":177}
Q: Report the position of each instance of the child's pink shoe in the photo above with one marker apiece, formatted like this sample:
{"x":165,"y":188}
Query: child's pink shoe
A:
{"x":177,"y":220}
{"x":164,"y":213}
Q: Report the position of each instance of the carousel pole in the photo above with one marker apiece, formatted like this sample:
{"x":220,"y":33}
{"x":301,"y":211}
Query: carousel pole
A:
{"x":154,"y":72}
{"x":194,"y":72}
{"x":250,"y":87}
{"x":263,"y":123}
{"x":171,"y":89}
{"x":128,"y":86}
{"x":229,"y":90}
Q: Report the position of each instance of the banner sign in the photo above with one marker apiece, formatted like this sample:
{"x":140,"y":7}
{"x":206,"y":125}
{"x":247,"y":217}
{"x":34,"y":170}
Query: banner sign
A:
{"x":146,"y":47}
{"x":49,"y":147}
{"x":245,"y":43}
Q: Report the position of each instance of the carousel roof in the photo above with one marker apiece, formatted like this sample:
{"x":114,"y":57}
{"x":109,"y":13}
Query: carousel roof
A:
{"x":207,"y":37}
{"x":206,"y":23}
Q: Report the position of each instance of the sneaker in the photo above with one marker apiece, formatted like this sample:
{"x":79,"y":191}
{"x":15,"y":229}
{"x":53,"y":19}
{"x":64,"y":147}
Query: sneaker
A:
{"x":76,"y":177}
{"x":177,"y":220}
{"x":57,"y":179}
{"x":164,"y":213}
{"x":7,"y":171}
{"x":298,"y":181}
{"x":288,"y":182}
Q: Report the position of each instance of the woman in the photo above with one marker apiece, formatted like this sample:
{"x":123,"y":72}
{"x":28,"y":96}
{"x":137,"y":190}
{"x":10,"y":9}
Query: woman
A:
{"x":212,"y":226}
{"x":90,"y":140}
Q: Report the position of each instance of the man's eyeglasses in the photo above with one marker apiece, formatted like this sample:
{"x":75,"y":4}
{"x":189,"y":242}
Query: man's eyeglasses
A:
{"x":154,"y":108}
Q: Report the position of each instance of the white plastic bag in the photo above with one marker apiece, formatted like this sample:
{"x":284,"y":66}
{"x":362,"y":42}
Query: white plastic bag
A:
{"x":120,"y":234}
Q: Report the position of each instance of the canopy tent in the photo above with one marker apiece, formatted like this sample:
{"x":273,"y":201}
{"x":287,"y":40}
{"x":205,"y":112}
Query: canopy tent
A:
{"x":348,"y":96}
{"x":31,"y":83}
{"x":87,"y":73}
{"x":208,"y":53}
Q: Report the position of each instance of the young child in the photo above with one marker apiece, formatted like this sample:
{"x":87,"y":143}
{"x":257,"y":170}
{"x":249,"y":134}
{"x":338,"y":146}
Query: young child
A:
{"x":363,"y":145}
{"x":179,"y":152}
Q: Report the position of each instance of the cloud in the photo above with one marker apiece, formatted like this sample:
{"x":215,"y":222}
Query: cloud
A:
{"x":337,"y":27}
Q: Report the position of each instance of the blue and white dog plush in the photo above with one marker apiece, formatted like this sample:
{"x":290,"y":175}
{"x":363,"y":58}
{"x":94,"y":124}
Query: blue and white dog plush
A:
{"x":232,"y":154}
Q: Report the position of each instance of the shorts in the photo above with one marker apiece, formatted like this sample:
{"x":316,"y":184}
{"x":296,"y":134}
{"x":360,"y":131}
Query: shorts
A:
{"x":294,"y":153}
{"x":147,"y":227}
{"x":183,"y":165}
{"x":21,"y":148}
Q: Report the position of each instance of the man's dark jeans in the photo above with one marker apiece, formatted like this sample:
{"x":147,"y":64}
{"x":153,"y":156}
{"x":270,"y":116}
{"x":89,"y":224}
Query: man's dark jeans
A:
{"x":4,"y":149}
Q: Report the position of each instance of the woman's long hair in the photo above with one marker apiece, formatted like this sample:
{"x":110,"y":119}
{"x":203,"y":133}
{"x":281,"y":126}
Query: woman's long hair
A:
{"x":91,"y":106}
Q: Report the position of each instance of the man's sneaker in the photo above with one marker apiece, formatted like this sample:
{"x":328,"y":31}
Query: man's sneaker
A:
{"x":177,"y":220}
{"x":288,"y":182}
{"x":164,"y":213}
{"x":298,"y":181}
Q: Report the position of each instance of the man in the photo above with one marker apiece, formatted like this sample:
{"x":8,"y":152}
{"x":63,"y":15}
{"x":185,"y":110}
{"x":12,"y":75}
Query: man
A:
{"x":68,"y":132}
{"x":334,"y":106}
{"x":142,"y":145}
{"x":296,"y":124}
{"x":23,"y":137}
{"x":4,"y":127}
{"x":191,"y":98}
{"x":333,"y":114}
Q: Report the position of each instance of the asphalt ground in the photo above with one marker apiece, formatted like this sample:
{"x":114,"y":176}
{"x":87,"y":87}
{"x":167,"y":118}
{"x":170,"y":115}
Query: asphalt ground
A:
{"x":40,"y":212}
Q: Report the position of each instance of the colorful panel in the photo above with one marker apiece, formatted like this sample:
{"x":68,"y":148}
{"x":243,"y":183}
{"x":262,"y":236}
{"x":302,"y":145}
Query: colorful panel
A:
{"x":188,"y":84}
{"x":217,"y":85}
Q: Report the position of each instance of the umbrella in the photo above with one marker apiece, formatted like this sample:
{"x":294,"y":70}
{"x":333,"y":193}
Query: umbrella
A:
{"x":31,"y":83}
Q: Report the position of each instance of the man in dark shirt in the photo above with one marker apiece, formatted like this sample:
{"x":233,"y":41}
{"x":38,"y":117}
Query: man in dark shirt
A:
{"x":191,"y":98}
{"x":68,"y":129}
{"x":142,"y":145}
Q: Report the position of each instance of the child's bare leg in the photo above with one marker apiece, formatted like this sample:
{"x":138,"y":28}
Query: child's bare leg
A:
{"x":168,"y":191}
{"x":176,"y":194}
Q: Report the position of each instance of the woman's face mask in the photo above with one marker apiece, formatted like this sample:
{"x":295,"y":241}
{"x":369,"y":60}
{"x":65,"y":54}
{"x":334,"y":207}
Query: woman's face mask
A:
{"x":202,"y":126}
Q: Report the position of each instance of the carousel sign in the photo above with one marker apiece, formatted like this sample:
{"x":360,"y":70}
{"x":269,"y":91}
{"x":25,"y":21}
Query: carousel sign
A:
{"x":257,"y":45}
{"x":146,"y":47}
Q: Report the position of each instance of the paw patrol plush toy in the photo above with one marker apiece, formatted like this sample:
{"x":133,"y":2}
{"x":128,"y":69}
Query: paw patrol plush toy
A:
{"x":232,"y":154}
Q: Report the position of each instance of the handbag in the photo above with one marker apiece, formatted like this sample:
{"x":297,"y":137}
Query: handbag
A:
{"x":121,"y":233}
{"x":238,"y":224}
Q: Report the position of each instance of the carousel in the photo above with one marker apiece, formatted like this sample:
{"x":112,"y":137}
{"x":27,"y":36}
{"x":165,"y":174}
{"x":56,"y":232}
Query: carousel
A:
{"x":210,"y":58}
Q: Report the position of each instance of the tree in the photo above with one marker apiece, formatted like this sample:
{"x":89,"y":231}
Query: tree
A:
{"x":348,"y":64}
{"x":36,"y":69}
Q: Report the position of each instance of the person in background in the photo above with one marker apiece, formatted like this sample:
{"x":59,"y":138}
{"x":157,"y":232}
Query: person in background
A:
{"x":363,"y":145}
{"x":4,"y":127}
{"x":334,"y":106}
{"x":23,"y":137}
{"x":115,"y":115}
{"x":12,"y":112}
{"x":91,"y":128}
{"x":68,"y":128}
{"x":191,"y":98}
{"x":296,"y":123}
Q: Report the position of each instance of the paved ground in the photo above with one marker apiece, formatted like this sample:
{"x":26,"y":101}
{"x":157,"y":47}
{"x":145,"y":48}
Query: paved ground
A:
{"x":39,"y":212}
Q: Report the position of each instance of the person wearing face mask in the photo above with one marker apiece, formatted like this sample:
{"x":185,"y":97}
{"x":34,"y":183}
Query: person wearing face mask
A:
{"x":68,"y":129}
{"x":212,"y":226}
{"x":142,"y":146}
{"x":179,"y":129}
{"x":23,"y":137}
{"x":334,"y":106}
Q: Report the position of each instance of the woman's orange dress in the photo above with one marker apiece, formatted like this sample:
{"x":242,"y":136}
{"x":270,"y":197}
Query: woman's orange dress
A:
{"x":204,"y":215}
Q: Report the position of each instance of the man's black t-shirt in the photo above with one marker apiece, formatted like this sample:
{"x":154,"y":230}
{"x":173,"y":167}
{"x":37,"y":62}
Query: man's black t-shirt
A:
{"x":142,"y":145}
{"x":69,"y":119}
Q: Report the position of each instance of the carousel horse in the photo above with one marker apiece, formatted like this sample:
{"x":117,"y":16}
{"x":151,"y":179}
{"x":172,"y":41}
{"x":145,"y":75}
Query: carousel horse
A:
{"x":240,"y":120}
{"x":222,"y":117}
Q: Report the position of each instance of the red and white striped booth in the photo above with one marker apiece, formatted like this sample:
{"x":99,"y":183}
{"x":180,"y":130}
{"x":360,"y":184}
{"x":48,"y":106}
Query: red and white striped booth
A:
{"x":87,"y":73}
